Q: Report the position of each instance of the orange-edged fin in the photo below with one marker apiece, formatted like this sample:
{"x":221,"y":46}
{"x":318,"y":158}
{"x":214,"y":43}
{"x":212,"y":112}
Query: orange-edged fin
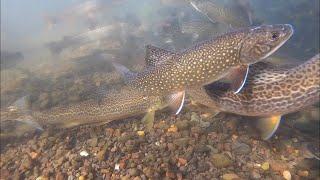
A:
{"x":268,"y":126}
{"x":176,"y":101}
{"x":238,"y":77}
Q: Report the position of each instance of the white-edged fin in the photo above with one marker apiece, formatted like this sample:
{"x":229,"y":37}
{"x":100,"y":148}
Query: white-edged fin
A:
{"x":125,"y":72}
{"x":202,"y":7}
{"x":238,"y":77}
{"x":268,"y":126}
{"x":195,"y":6}
{"x":176,"y":101}
{"x":148,"y":120}
{"x":29,"y":121}
{"x":156,"y":55}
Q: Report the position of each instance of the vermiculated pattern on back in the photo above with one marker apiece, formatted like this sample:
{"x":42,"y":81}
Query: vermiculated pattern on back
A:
{"x":270,"y":91}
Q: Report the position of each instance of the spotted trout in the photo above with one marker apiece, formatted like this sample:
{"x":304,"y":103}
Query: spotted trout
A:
{"x":117,"y":104}
{"x":270,"y":92}
{"x":170,"y":74}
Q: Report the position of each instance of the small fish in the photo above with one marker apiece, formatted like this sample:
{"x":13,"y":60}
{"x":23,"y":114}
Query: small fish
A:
{"x":235,"y":14}
{"x":117,"y":104}
{"x":269,"y":93}
{"x":168,"y":73}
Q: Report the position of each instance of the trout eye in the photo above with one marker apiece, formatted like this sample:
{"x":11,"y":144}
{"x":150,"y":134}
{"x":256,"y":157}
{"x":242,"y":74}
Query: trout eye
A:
{"x":274,"y":35}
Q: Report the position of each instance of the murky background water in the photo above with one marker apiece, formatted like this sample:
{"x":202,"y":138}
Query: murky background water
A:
{"x":45,"y":39}
{"x":60,"y":52}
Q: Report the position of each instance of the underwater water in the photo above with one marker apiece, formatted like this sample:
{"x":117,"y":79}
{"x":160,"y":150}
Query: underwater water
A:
{"x":70,"y":108}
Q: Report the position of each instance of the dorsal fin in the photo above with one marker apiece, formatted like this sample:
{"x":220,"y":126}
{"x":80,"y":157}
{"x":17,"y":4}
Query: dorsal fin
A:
{"x":155,"y":55}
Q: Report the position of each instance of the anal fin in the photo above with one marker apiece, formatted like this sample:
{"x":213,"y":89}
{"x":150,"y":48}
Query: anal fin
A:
{"x":268,"y":126}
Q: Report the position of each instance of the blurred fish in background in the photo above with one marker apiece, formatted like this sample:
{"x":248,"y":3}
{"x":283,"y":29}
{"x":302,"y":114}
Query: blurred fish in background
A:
{"x":233,"y":13}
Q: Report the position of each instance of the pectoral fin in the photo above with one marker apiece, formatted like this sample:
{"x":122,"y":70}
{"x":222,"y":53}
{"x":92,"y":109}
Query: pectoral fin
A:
{"x":268,"y":126}
{"x":176,"y":101}
{"x":238,"y":77}
{"x":148,"y":120}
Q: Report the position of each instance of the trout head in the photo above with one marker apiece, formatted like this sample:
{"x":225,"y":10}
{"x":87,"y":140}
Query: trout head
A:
{"x":262,"y":41}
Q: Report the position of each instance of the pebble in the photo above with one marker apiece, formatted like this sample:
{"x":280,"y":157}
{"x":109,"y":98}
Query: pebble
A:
{"x":182,"y":162}
{"x":117,"y":167}
{"x":195,"y":117}
{"x":137,"y":178}
{"x":221,"y":160}
{"x":278,"y":166}
{"x":183,"y":125}
{"x":59,"y":176}
{"x":93,"y":142}
{"x":133,"y":172}
{"x":84,"y":153}
{"x":204,"y":124}
{"x":140,"y":133}
{"x":170,"y":174}
{"x":26,"y":163}
{"x":286,"y":175}
{"x":265,"y":166}
{"x":230,"y":176}
{"x":173,"y":129}
{"x":101,"y":154}
{"x":60,"y":161}
{"x":255,"y":175}
{"x":148,"y":172}
{"x":295,"y":140}
{"x":241,"y":148}
{"x":34,"y":155}
{"x":181,"y":141}
{"x":303,"y":173}
{"x":42,"y":178}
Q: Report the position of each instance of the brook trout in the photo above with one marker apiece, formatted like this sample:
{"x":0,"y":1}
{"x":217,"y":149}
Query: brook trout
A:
{"x":169,"y":74}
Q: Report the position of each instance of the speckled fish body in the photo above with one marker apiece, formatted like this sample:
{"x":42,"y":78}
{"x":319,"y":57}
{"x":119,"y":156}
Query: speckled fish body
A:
{"x":115,"y":105}
{"x":270,"y":92}
{"x":273,"y":91}
{"x":211,"y":60}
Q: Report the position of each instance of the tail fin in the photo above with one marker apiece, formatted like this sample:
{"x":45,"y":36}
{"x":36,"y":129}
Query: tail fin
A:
{"x":18,"y":112}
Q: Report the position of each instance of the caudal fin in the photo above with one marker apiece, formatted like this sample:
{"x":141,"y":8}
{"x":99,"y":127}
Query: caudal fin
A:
{"x":19,"y":115}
